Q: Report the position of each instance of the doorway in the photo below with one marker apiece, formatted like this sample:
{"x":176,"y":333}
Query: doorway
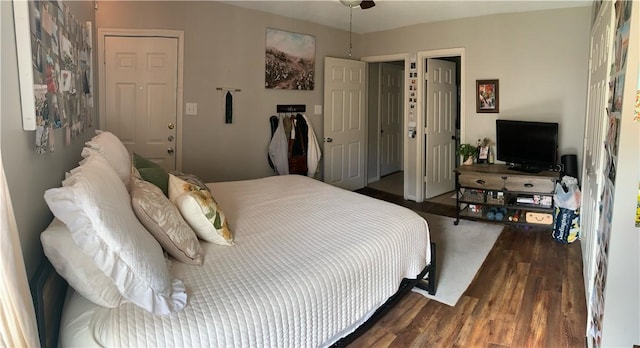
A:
{"x":385,"y":147}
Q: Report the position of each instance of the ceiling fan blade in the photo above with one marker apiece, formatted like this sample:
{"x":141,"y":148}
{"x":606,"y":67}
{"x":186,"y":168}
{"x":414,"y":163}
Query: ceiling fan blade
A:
{"x":365,"y":4}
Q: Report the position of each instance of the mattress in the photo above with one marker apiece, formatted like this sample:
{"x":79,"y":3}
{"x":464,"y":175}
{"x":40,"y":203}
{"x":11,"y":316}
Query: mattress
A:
{"x":311,"y":262}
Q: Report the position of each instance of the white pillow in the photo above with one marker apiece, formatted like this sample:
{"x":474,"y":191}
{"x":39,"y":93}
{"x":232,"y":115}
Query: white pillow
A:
{"x":78,"y":268}
{"x":200,"y":210}
{"x":113,"y":150}
{"x":96,"y":208}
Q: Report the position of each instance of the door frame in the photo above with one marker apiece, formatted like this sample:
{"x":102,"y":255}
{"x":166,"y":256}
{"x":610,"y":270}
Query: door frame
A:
{"x":421,"y":57}
{"x":176,"y":34}
{"x":405,"y":107}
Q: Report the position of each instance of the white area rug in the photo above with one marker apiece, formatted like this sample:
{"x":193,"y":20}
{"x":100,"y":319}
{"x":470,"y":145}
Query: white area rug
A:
{"x":460,"y":251}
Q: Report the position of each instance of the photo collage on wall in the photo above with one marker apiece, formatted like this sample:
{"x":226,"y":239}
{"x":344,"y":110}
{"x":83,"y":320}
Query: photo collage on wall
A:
{"x":61,"y":50}
{"x":614,"y":114}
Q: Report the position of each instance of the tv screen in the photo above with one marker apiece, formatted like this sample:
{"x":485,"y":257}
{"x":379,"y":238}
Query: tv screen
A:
{"x":528,"y":146}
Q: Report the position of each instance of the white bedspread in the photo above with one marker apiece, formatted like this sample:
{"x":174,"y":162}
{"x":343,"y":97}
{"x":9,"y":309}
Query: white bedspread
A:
{"x":311,"y":262}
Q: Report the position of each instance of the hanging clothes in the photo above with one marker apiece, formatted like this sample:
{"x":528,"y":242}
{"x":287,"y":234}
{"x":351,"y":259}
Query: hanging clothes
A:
{"x":313,"y":149}
{"x":273,"y":122}
{"x":279,"y":149}
{"x":298,"y":146}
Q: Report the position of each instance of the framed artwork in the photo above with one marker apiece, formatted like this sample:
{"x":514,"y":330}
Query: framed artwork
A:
{"x":487,"y":97}
{"x":483,"y":154}
{"x":289,"y":60}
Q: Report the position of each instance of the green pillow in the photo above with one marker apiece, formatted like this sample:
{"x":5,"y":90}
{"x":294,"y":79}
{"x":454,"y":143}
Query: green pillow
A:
{"x":152,"y":172}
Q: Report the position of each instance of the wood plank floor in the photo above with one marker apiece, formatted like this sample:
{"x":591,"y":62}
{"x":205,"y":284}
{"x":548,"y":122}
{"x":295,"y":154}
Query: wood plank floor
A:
{"x":528,"y":293}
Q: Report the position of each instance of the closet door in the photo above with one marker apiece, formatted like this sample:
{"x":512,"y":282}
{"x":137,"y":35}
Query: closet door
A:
{"x":595,"y":126}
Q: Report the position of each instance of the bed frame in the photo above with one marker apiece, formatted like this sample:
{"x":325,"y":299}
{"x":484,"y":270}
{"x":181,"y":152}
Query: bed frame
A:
{"x":49,"y":289}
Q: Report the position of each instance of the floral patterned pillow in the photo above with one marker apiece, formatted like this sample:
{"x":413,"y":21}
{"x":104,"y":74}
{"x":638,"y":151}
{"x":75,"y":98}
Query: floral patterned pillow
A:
{"x":192,"y":179}
{"x":200,"y":210}
{"x":161,"y":217}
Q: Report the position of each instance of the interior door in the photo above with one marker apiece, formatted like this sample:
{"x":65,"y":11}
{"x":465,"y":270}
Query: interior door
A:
{"x":440,"y":109}
{"x":593,"y":179}
{"x":141,"y":76}
{"x":344,"y":123}
{"x":391,"y":116}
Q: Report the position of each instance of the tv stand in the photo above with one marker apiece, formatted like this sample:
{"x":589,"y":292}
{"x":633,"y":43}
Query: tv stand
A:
{"x":525,"y":169}
{"x":521,"y":198}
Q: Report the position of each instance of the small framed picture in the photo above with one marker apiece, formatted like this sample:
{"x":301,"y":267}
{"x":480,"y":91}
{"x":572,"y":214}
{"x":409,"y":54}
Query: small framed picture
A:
{"x":483,"y":154}
{"x":487,"y":98}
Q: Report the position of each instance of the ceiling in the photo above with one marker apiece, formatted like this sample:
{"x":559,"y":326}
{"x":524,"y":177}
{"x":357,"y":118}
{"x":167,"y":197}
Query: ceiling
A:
{"x":390,"y":14}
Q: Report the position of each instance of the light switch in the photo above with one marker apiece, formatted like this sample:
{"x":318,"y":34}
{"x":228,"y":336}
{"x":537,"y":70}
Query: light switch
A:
{"x":191,"y":109}
{"x":317,"y":110}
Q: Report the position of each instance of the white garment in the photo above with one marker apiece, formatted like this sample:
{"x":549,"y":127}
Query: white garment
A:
{"x":313,"y":149}
{"x":278,"y":149}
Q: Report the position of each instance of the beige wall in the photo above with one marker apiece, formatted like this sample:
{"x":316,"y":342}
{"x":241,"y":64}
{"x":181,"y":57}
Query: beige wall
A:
{"x":540,"y":58}
{"x":225,"y":47}
{"x":28,"y":174}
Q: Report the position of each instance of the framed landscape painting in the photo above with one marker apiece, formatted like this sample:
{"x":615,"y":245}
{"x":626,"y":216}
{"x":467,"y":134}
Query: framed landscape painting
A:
{"x":289,"y":60}
{"x":487,"y":98}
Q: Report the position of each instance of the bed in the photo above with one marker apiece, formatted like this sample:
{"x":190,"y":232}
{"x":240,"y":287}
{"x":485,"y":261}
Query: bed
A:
{"x":312,"y":265}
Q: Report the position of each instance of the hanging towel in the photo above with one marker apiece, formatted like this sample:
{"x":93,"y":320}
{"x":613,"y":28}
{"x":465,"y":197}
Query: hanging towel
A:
{"x":228,"y":108}
{"x":278,"y":149}
{"x":313,"y":149}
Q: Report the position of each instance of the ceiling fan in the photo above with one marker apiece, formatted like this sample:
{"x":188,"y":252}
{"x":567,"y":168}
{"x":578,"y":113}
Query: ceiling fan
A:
{"x":364,"y":4}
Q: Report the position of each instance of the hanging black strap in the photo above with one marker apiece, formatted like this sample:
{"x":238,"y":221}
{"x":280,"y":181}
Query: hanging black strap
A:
{"x":228,"y":108}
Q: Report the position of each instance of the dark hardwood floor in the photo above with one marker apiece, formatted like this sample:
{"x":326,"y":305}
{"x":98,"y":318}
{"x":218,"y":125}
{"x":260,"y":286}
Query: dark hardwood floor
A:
{"x":529,"y":292}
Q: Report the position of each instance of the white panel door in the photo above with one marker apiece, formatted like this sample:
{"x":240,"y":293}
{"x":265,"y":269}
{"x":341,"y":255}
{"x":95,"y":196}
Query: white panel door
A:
{"x":440,"y":105}
{"x":595,"y":127}
{"x":141,"y":75}
{"x":391,"y":116}
{"x":344,"y":123}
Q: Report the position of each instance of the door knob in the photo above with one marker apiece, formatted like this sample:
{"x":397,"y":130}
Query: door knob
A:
{"x":170,"y":150}
{"x":170,"y":138}
{"x":329,"y":140}
{"x":170,"y":125}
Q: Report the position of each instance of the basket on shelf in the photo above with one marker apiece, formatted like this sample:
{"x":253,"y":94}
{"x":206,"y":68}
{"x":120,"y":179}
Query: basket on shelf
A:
{"x":471,"y":195}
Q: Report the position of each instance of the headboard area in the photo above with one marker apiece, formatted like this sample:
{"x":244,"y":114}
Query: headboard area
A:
{"x":48,"y":290}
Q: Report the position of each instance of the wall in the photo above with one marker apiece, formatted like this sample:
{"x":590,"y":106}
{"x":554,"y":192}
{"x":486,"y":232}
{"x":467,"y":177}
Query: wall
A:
{"x":29,"y":175}
{"x":539,"y":57}
{"x":225,"y":47}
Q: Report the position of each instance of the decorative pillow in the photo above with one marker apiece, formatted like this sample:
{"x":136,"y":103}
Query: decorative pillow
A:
{"x":77,"y":267}
{"x":200,"y":210}
{"x":96,"y":208}
{"x":113,"y":150}
{"x":192,"y":179}
{"x":161,"y":217}
{"x":152,"y":172}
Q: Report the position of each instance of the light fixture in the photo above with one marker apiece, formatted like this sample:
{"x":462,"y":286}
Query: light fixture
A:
{"x":350,"y":4}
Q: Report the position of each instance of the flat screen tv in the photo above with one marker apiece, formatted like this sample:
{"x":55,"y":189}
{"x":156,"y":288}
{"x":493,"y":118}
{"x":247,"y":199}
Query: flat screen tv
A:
{"x":527,"y":146}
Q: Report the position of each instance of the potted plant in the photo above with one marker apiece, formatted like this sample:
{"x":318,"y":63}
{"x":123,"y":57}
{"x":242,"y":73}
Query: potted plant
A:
{"x":468,"y":152}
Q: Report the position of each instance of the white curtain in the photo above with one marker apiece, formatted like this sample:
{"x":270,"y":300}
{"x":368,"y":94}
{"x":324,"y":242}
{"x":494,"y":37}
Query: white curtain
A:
{"x":17,"y":316}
